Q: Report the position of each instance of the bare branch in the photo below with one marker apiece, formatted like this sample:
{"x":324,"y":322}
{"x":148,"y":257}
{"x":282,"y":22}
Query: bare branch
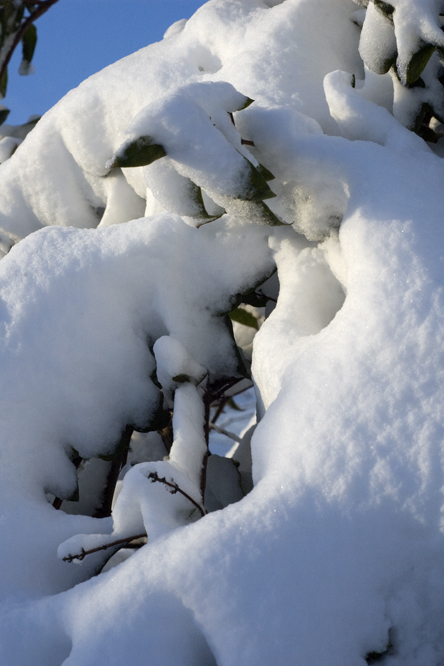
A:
{"x":222,"y":431}
{"x":153,"y":476}
{"x":80,"y":556}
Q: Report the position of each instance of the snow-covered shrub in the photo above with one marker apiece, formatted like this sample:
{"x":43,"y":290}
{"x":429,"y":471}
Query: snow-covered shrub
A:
{"x":258,"y":136}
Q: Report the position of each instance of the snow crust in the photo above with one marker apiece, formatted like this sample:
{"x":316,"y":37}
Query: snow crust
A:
{"x":336,"y":554}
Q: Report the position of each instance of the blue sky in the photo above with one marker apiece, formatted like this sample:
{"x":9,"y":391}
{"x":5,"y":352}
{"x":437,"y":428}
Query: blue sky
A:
{"x":77,"y":38}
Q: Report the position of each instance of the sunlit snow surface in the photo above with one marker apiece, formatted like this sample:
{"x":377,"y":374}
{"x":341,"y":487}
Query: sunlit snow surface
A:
{"x":338,"y":551}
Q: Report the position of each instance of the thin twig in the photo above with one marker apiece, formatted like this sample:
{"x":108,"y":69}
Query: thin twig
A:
{"x":222,"y":431}
{"x":207,"y":399}
{"x":269,"y":298}
{"x":220,"y":409}
{"x":153,"y":476}
{"x":80,"y":556}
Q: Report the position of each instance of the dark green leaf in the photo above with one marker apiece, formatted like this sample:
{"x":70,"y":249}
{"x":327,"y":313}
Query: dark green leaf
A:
{"x":257,"y":300}
{"x":4,"y":83}
{"x":29,"y":40}
{"x":4,"y":113}
{"x":246,"y":104}
{"x":419,"y":83}
{"x":265,"y":173}
{"x":201,"y":214}
{"x":384,"y":8}
{"x":243,"y":317}
{"x":265,"y":215}
{"x":385,"y":64}
{"x":428,"y":134}
{"x":141,"y":152}
{"x":417,"y":63}
{"x":181,"y":379}
{"x":257,"y":188}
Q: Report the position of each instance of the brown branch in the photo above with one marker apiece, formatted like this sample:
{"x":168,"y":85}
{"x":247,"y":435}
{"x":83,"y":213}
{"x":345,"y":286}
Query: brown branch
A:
{"x":43,"y":6}
{"x":80,"y":556}
{"x":207,"y":400}
{"x":220,"y":408}
{"x":153,"y":476}
{"x":222,"y":431}
{"x":111,"y":480}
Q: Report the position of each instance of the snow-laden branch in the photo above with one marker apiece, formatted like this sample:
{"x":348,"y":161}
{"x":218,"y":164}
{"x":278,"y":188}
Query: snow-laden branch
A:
{"x":119,"y":542}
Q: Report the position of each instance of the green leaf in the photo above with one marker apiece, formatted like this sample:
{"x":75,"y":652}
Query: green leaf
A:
{"x":428,"y":134}
{"x":266,"y":216}
{"x":385,"y":65}
{"x":209,"y":219}
{"x":29,"y":40}
{"x":181,"y":379}
{"x":384,"y":8}
{"x":257,"y":300}
{"x":141,"y":152}
{"x":195,"y":195}
{"x":419,"y":83}
{"x":4,"y":113}
{"x":417,"y":63}
{"x":4,"y":83}
{"x":243,"y":317}
{"x":246,"y":104}
{"x":191,"y":204}
{"x":257,"y":188}
{"x":265,"y":173}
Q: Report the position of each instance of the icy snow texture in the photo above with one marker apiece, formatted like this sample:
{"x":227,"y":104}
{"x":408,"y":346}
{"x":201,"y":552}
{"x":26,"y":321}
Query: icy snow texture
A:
{"x":339,"y":547}
{"x":223,"y":42}
{"x":86,"y":305}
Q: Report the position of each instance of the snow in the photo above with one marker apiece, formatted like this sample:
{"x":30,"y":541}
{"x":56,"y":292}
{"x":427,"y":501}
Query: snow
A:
{"x":330,"y":548}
